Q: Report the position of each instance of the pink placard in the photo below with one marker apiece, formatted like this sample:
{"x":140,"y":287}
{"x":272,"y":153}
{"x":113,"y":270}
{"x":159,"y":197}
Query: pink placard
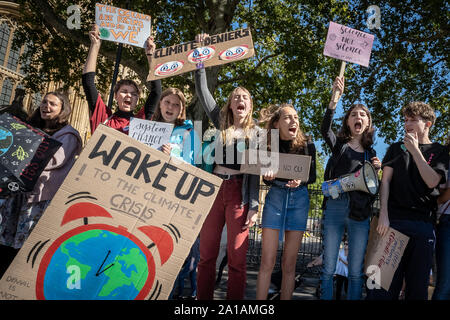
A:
{"x":348,"y":44}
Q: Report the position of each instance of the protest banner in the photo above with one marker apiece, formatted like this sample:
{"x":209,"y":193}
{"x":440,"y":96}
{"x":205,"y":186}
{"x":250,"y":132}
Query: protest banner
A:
{"x":216,"y":50}
{"x":24,"y":153}
{"x":152,"y":133}
{"x":122,"y":25}
{"x":383,"y":255}
{"x":348,"y":45}
{"x":120,"y":226}
{"x":283,"y":165}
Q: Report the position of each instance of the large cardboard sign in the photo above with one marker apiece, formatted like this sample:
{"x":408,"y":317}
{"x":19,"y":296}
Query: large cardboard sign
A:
{"x":283,"y":165}
{"x":383,"y":254}
{"x":216,"y":50}
{"x":152,"y":133}
{"x":121,"y":25}
{"x":348,"y":44}
{"x":120,"y":226}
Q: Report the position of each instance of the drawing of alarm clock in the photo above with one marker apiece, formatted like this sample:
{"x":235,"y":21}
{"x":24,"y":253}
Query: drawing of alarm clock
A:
{"x":100,"y":261}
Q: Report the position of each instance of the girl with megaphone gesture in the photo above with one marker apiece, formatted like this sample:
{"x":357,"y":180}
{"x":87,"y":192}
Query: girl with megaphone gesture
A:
{"x":350,"y":148}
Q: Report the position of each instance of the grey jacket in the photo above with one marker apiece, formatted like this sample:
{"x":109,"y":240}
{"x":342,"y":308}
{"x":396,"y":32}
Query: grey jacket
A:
{"x":250,"y":185}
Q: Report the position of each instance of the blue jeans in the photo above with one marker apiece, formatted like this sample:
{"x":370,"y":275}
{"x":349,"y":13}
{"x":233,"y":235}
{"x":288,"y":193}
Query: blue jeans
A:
{"x":442,"y":290}
{"x":335,"y":220}
{"x":286,"y":209}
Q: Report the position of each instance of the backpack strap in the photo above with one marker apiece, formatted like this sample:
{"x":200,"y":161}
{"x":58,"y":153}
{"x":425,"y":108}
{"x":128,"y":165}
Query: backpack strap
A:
{"x":335,"y":162}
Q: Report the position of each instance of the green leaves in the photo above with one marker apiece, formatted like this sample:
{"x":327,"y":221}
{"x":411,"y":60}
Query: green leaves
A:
{"x":409,"y":60}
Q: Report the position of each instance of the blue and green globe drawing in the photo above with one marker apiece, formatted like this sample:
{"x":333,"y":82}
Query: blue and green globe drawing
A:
{"x":90,"y":263}
{"x":6,"y":140}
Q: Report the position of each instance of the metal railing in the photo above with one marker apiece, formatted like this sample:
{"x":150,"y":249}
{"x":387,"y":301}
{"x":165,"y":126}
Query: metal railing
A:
{"x":311,"y":246}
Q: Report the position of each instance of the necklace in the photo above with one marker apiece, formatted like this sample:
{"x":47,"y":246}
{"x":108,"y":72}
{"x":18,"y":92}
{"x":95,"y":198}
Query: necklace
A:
{"x":355,"y":147}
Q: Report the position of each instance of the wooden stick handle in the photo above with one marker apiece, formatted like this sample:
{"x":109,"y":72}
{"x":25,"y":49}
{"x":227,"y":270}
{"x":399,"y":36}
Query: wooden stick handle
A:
{"x":337,"y":93}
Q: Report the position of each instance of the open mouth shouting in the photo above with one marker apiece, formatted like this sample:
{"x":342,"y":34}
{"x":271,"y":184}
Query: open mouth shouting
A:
{"x":48,"y":114}
{"x":293,"y":131}
{"x":240,"y":107}
{"x":169,"y":114}
{"x":358,"y":126}
{"x":127,"y":103}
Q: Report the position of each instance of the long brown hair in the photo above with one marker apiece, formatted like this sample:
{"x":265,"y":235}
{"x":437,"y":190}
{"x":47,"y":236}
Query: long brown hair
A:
{"x":271,"y":115}
{"x":62,"y":120}
{"x":182,"y":116}
{"x":227,"y":120}
{"x":367,"y":136}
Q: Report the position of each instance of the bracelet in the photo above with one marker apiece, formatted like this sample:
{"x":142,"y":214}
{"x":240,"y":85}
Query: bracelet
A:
{"x":150,"y":54}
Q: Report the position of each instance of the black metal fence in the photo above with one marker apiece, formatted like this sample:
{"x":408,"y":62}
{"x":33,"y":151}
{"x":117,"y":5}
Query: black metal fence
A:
{"x":311,"y":246}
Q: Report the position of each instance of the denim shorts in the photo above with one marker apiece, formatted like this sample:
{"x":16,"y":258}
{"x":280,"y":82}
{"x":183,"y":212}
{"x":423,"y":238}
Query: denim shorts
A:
{"x":286,"y":208}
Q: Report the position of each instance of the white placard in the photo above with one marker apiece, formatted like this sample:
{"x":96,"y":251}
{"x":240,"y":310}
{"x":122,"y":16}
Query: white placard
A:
{"x":151,"y":133}
{"x":122,"y":25}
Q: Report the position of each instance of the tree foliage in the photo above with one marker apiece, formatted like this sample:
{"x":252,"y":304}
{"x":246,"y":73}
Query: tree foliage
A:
{"x":409,"y":59}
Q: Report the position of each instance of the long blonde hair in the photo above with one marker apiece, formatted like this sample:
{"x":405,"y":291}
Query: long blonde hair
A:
{"x":227,"y":121}
{"x":271,"y":115}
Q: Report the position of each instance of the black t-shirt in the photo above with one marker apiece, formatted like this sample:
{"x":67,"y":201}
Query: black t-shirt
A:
{"x":348,"y":160}
{"x":237,"y":149}
{"x":409,"y":196}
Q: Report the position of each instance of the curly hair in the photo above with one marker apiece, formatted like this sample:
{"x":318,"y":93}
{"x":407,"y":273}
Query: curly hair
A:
{"x":271,"y":115}
{"x":419,"y":109}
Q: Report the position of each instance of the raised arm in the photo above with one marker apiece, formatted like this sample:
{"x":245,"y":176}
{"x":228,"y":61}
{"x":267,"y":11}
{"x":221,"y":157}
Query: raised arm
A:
{"x":325,"y":129}
{"x":91,"y":61}
{"x":88,"y":77}
{"x":155,"y":86}
{"x":205,"y":97}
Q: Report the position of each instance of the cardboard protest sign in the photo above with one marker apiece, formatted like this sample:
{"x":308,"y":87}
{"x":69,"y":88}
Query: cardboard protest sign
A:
{"x":348,"y":44}
{"x":121,"y":25}
{"x":152,"y":133}
{"x":24,"y":153}
{"x":216,"y":50}
{"x":284,"y":165}
{"x":120,"y":226}
{"x":383,"y":254}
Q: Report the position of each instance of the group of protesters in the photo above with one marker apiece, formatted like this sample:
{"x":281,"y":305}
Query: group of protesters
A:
{"x":414,"y":184}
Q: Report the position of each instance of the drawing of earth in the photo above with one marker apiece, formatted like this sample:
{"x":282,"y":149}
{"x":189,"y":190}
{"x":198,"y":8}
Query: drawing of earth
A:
{"x":109,"y":266}
{"x":104,"y":33}
{"x":6,"y":140}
